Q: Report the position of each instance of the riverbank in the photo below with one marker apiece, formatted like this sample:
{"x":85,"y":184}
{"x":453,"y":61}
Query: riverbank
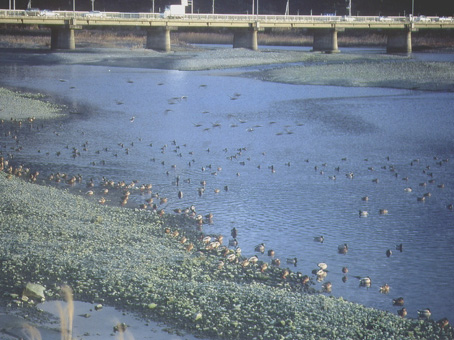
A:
{"x":16,"y":105}
{"x":128,"y":258}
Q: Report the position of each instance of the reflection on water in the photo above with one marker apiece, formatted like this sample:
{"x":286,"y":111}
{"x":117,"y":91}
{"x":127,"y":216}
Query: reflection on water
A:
{"x":282,"y":164}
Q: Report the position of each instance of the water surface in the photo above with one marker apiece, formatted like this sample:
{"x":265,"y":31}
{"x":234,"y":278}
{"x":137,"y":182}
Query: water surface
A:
{"x":278,"y":155}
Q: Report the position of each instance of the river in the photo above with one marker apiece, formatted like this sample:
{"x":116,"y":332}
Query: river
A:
{"x":275,"y":159}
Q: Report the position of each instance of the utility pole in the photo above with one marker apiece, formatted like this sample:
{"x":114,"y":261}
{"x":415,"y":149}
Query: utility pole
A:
{"x":152,"y":6}
{"x":253,"y":7}
{"x":412,"y":7}
{"x":92,"y":5}
{"x":212,"y":8}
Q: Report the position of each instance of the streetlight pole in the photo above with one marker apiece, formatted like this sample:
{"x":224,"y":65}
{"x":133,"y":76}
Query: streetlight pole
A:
{"x":152,"y":8}
{"x":253,"y":7}
{"x":412,"y":7}
{"x":92,"y":5}
{"x":257,"y":7}
{"x":212,"y":8}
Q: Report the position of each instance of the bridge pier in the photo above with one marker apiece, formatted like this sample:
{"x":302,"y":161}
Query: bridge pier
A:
{"x":325,"y":40}
{"x":399,"y":41}
{"x":246,"y":38}
{"x":158,"y":38}
{"x":62,"y":38}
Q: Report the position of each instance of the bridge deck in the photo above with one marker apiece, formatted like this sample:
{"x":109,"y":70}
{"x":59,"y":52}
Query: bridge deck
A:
{"x":222,"y":20}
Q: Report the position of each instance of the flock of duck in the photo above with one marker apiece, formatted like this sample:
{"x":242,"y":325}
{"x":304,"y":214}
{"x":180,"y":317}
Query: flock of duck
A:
{"x":119,"y":192}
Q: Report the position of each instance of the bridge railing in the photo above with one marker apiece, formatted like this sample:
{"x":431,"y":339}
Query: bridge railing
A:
{"x":232,"y":17}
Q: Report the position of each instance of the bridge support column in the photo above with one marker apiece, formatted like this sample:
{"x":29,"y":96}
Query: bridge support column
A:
{"x":62,"y":38}
{"x":158,"y":38}
{"x":325,"y":40}
{"x":245,"y":38}
{"x":399,"y":41}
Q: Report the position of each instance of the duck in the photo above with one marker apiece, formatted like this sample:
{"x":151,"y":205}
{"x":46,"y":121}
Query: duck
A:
{"x":363,"y":213}
{"x":293,"y":261}
{"x":189,"y":247}
{"x":443,"y":322}
{"x":365,"y":281}
{"x":424,"y":313}
{"x":245,"y":263}
{"x":383,"y":211}
{"x":231,"y":257}
{"x":234,"y":233}
{"x":285,"y":273}
{"x":263,"y":267}
{"x":322,"y":265}
{"x":276,"y":262}
{"x":260,"y":248}
{"x":389,"y":253}
{"x":398,"y":302}
{"x":233,"y":243}
{"x":399,"y":247}
{"x":271,"y":252}
{"x":345,"y":270}
{"x":320,"y":239}
{"x":327,"y":287}
{"x":342,"y":249}
{"x":384,"y":289}
{"x":402,"y":312}
{"x":253,"y":259}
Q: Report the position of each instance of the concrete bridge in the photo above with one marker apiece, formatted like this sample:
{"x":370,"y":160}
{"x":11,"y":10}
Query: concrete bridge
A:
{"x":245,"y":27}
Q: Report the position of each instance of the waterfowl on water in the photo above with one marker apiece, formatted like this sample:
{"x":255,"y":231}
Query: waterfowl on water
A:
{"x":399,"y":247}
{"x":342,"y":249}
{"x":384,"y":289}
{"x":398,"y":302}
{"x":234,"y":233}
{"x":389,"y":253}
{"x":233,"y":243}
{"x":365,"y":281}
{"x":260,"y":248}
{"x":344,"y":270}
{"x":383,"y":211}
{"x":363,"y":213}
{"x":424,"y":313}
{"x":322,"y":265}
{"x":320,"y":239}
{"x":293,"y":261}
{"x":271,"y":252}
{"x":327,"y":287}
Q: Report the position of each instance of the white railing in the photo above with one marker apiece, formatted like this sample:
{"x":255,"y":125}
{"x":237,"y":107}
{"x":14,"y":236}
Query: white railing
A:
{"x":230,"y":17}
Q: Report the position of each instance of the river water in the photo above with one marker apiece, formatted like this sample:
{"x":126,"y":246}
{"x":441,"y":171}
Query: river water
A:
{"x":279,"y":156}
